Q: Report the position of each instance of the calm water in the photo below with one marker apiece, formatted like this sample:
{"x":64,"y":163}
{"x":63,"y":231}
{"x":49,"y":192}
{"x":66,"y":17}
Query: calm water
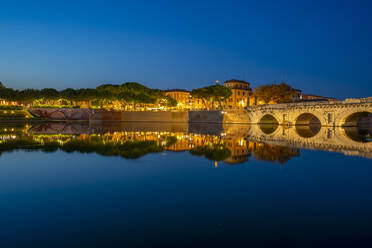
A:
{"x":174,"y":185}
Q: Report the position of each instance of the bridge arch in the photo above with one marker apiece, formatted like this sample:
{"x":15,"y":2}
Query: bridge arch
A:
{"x":268,"y":119}
{"x":307,"y":125}
{"x":307,"y":119}
{"x":357,"y":118}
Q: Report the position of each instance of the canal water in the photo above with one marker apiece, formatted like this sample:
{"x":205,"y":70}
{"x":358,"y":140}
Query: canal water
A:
{"x":180,"y":185}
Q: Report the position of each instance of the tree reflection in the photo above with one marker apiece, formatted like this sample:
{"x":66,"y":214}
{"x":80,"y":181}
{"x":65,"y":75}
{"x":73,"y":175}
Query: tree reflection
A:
{"x":129,"y":149}
{"x":213,"y":152}
{"x":274,"y":153}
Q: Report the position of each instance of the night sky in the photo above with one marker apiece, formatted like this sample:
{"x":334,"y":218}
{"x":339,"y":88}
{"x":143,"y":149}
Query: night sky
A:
{"x":322,"y":47}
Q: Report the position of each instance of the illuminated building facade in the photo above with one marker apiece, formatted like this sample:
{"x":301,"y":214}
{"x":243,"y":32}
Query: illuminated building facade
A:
{"x":11,"y":103}
{"x":183,"y":97}
{"x":241,"y":92}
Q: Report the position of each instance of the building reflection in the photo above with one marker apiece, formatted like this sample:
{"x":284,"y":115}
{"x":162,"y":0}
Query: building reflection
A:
{"x":232,"y":144}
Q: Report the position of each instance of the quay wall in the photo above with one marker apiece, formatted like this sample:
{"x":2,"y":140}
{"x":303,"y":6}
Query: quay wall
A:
{"x":205,"y":116}
{"x":181,"y":117}
{"x":62,"y":113}
{"x":139,"y":116}
{"x":97,"y":116}
{"x":236,"y":117}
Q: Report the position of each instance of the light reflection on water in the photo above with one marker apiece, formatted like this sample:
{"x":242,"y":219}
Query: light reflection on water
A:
{"x":157,"y":185}
{"x":229,"y":143}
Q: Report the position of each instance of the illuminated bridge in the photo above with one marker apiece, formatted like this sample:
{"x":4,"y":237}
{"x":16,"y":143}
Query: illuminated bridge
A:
{"x":351,"y":112}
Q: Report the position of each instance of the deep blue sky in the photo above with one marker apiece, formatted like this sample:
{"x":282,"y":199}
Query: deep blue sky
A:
{"x":323,"y":47}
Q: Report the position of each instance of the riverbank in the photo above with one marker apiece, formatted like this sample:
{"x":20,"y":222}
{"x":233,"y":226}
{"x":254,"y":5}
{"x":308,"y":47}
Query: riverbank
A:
{"x":98,"y":116}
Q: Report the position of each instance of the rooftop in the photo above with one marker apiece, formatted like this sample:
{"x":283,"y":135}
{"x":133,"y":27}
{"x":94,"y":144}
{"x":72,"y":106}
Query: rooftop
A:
{"x":236,"y":81}
{"x":176,"y":90}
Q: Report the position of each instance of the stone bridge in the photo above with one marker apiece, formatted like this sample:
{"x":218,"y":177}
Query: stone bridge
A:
{"x":351,"y":112}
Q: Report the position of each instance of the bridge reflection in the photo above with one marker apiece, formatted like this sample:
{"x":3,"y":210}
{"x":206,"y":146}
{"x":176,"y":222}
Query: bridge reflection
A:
{"x":229,"y":143}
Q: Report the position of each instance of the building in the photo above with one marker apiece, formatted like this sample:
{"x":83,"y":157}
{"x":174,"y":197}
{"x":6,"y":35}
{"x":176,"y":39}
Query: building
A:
{"x":9,"y":103}
{"x":308,"y":97}
{"x":241,"y":92}
{"x":297,"y":96}
{"x":238,"y":147}
{"x":183,"y":97}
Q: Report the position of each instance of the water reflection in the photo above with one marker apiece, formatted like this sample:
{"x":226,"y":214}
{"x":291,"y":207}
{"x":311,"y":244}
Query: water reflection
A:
{"x":308,"y":131}
{"x":229,"y":143}
{"x":363,"y":135}
{"x":268,"y":128}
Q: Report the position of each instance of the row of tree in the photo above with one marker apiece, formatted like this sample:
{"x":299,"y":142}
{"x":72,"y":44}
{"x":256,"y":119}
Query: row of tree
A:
{"x":132,"y":93}
{"x":127,"y":93}
{"x":270,"y":93}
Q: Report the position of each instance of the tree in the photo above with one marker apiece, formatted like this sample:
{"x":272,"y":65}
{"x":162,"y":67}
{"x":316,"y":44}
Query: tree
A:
{"x":128,"y":98}
{"x":49,"y":94}
{"x":112,"y":88}
{"x":69,"y":94}
{"x":202,"y":94}
{"x":219,"y":93}
{"x":28,"y":95}
{"x":87,"y":95}
{"x":281,"y":93}
{"x":135,"y":93}
{"x":212,"y":94}
{"x":8,"y":94}
{"x":170,"y":102}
